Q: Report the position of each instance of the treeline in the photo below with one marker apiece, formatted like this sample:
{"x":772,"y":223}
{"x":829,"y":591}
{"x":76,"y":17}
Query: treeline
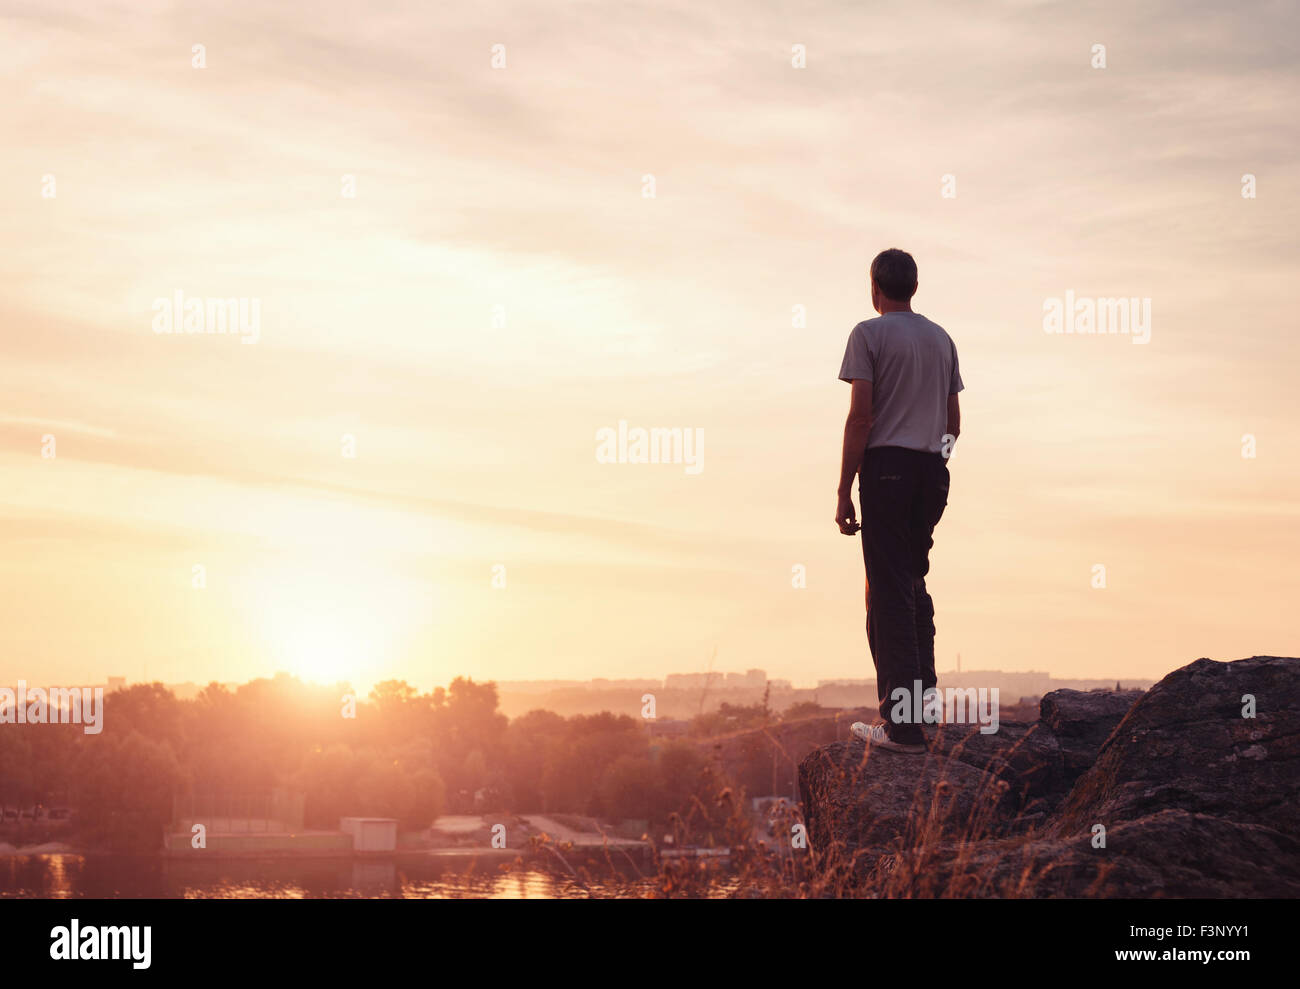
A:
{"x":396,"y":753}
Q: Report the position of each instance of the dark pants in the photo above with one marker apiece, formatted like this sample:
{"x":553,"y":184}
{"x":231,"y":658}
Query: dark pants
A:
{"x":903,"y":494}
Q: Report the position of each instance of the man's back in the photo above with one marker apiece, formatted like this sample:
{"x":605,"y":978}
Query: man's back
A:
{"x":905,"y":382}
{"x":912,"y":364}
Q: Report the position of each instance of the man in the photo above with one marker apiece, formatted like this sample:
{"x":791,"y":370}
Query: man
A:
{"x":903,"y":419}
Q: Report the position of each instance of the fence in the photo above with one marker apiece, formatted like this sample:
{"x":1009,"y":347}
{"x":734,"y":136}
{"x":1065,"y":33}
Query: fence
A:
{"x":238,"y":810}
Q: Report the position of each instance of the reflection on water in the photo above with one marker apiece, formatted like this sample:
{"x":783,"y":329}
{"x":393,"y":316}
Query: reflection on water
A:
{"x":73,"y":875}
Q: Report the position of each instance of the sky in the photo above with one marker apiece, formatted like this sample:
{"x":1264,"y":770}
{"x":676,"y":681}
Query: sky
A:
{"x":466,"y":260}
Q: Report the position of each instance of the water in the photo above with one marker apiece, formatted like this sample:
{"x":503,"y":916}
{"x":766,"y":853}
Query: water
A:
{"x":71,"y":875}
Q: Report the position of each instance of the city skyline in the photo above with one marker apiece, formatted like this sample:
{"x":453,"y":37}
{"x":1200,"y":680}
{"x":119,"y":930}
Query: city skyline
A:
{"x":715,"y":680}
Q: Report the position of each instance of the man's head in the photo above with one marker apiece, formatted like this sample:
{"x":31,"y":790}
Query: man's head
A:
{"x":893,"y":280}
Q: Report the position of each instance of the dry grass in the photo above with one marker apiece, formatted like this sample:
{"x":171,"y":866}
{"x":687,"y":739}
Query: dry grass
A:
{"x":943,"y":851}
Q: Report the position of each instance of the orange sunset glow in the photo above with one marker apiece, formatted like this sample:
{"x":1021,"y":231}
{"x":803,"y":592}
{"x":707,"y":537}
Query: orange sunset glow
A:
{"x":464,"y":272}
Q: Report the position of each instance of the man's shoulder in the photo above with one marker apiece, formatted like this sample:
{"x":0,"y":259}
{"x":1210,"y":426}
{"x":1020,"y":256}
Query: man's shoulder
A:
{"x":899,"y":321}
{"x":866,"y":326}
{"x":938,"y":330}
{"x":931,"y":323}
{"x":902,"y":320}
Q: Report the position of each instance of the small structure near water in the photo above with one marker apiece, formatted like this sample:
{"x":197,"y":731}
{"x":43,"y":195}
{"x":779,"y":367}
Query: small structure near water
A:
{"x":371,"y":834}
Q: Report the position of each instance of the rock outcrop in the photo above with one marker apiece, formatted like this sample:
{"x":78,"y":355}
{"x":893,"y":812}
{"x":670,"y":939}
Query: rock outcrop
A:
{"x":1189,"y":789}
{"x":1080,"y":721}
{"x":859,"y":806}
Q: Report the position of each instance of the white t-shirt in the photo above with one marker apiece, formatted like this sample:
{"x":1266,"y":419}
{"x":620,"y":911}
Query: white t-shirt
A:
{"x":912,"y":365}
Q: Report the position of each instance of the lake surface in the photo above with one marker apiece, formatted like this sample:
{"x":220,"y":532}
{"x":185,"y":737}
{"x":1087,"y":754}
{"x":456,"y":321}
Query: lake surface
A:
{"x":71,"y":875}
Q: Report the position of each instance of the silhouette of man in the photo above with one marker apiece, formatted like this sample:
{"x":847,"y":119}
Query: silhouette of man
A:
{"x":903,"y":420}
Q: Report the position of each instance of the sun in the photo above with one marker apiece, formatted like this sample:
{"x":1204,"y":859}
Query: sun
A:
{"x":324,"y":649}
{"x":336,"y":624}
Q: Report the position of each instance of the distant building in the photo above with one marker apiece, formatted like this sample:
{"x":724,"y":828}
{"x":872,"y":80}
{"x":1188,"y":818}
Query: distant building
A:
{"x":692,"y":681}
{"x":371,"y":834}
{"x":537,"y":686}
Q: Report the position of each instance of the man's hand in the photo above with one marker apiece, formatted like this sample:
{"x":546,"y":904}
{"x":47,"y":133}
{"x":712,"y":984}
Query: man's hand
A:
{"x":845,"y":516}
{"x":857,"y":432}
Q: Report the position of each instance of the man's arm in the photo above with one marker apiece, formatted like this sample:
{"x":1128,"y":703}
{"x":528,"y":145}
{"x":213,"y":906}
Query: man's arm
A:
{"x":857,"y":430}
{"x":954,"y":421}
{"x":954,"y":407}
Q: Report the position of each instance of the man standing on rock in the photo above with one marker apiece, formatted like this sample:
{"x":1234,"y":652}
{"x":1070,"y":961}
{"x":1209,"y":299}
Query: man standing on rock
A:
{"x":903,"y":421}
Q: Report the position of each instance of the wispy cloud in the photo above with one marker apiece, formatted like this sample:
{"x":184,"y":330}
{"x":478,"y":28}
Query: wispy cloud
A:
{"x":499,"y":289}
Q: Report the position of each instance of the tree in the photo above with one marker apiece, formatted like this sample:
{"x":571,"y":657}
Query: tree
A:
{"x":125,"y":790}
{"x":627,"y":788}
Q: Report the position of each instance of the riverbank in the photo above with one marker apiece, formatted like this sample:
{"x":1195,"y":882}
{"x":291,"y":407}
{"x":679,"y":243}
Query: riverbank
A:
{"x":41,"y":848}
{"x":503,"y":837}
{"x":462,"y":836}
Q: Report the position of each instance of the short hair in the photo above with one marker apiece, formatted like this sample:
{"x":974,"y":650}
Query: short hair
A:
{"x":894,"y":273}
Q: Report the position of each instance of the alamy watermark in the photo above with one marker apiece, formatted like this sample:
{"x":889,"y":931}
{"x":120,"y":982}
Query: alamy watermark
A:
{"x":952,"y":705}
{"x":1098,"y":316}
{"x":235,"y":316}
{"x":656,"y":445}
{"x":102,"y":943}
{"x":53,"y":706}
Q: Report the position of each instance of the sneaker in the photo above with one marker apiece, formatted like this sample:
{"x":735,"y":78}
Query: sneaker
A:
{"x":877,"y":737}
